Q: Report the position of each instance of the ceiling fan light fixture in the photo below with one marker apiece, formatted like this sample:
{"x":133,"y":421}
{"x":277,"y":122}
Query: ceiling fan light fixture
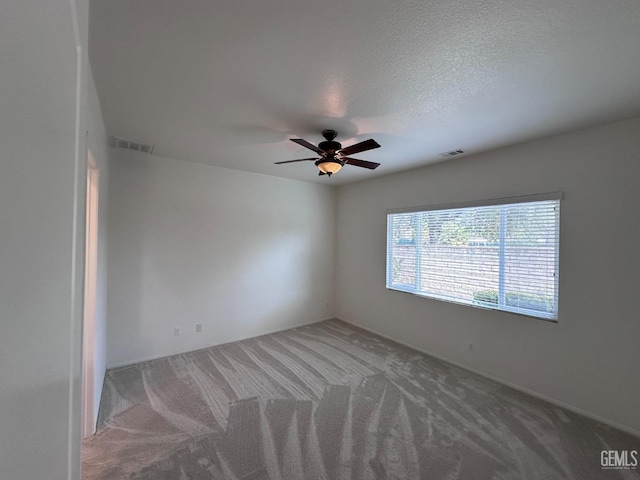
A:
{"x":332,"y":156}
{"x":329,"y":166}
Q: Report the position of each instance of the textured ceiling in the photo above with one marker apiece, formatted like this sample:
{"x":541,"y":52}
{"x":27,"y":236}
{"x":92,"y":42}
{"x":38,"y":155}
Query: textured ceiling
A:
{"x":229,"y":82}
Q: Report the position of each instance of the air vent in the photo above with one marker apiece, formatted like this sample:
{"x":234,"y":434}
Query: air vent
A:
{"x":452,"y":153}
{"x":115,"y":142}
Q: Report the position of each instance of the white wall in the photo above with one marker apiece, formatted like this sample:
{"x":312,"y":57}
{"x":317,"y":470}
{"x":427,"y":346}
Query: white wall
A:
{"x":590,"y":359}
{"x":42,"y":122}
{"x":97,"y":144}
{"x":243,"y":254}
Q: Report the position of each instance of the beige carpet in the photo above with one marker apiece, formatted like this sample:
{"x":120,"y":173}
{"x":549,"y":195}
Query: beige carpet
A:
{"x":330,"y":401}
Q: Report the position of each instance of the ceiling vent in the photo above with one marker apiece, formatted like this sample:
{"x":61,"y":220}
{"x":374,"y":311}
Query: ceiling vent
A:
{"x":452,"y":153}
{"x":115,"y":142}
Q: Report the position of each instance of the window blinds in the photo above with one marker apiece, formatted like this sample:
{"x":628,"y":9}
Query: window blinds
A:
{"x":502,"y":256}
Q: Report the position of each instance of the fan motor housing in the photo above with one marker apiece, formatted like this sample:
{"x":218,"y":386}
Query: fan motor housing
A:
{"x":330,"y":146}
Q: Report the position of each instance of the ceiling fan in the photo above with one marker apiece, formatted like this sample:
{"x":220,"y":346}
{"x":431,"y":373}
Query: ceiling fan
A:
{"x":332,"y":156}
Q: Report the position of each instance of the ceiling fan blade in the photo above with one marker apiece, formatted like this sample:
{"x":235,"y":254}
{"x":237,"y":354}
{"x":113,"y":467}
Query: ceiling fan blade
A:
{"x":360,"y":147}
{"x":308,"y":145}
{"x":299,"y":160}
{"x":361,"y":163}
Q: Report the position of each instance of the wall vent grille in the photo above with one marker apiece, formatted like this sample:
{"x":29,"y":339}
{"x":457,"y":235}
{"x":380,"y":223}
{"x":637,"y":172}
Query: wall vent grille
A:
{"x":452,"y":153}
{"x":115,"y":142}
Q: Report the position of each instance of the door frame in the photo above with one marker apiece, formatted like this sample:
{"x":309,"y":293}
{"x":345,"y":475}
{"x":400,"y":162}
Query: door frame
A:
{"x":88,"y":417}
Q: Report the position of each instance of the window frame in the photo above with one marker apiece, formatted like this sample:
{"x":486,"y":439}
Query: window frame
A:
{"x":498,"y":202}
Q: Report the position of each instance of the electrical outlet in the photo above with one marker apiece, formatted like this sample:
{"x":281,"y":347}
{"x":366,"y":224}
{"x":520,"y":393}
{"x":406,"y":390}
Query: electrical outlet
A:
{"x":198,"y":327}
{"x":471,"y":347}
{"x":176,"y":331}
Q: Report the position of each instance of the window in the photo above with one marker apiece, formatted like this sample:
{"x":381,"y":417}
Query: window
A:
{"x":500,"y":254}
